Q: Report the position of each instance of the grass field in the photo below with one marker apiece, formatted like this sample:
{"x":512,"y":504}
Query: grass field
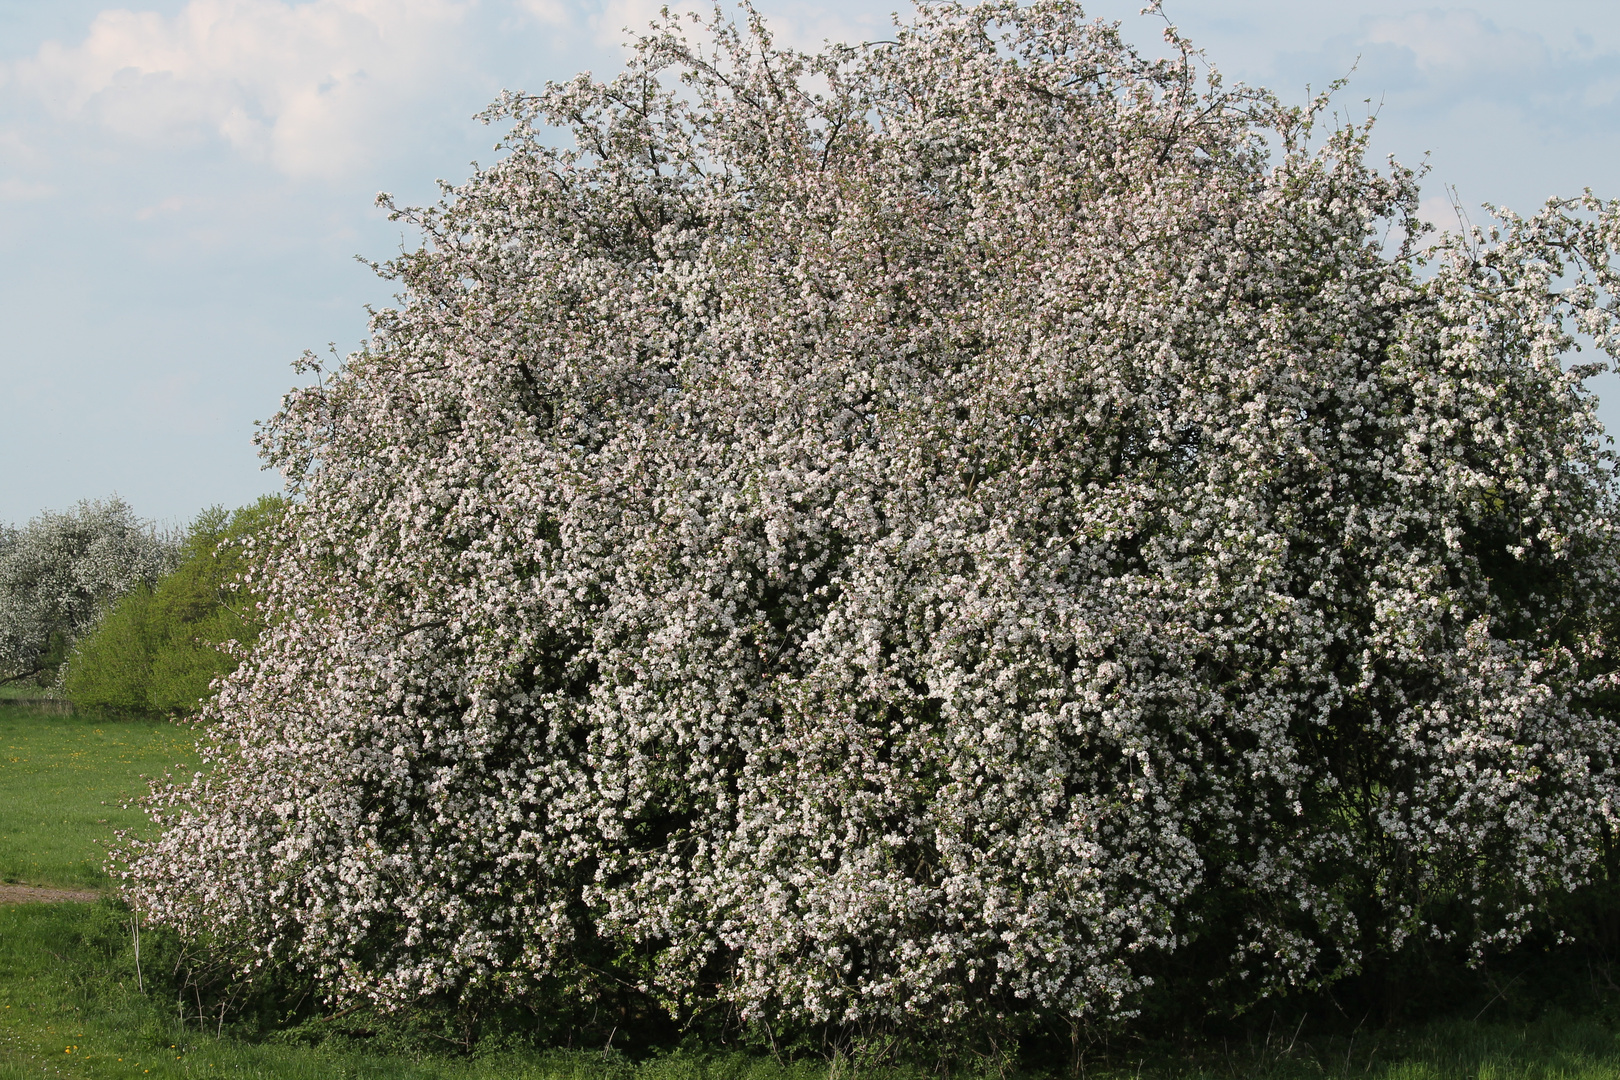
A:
{"x":63,"y":783}
{"x":70,"y":1005}
{"x":69,"y":1008}
{"x":28,"y":691}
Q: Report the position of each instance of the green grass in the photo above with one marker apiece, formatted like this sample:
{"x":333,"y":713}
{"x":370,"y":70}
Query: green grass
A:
{"x":63,"y":783}
{"x":1553,"y":1048}
{"x":26,"y":691}
{"x":70,"y":1005}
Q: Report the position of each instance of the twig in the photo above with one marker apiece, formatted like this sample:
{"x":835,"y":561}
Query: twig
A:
{"x":1295,"y":1039}
{"x":135,"y":931}
{"x":1495,"y":999}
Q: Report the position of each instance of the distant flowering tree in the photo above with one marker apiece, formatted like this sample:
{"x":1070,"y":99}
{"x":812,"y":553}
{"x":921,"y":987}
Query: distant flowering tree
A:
{"x":61,"y":572}
{"x":918,"y":532}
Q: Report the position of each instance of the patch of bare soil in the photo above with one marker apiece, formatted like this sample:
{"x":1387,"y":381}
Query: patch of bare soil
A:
{"x":39,"y":894}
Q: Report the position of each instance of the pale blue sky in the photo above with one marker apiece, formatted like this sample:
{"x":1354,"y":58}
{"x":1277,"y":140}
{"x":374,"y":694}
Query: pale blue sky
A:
{"x":184,"y":183}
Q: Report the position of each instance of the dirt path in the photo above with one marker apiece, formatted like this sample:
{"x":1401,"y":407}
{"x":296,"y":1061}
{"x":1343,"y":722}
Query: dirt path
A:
{"x":39,"y":894}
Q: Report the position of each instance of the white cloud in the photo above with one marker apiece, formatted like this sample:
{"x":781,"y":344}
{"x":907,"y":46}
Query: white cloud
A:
{"x":168,"y":206}
{"x":17,"y":149}
{"x":618,"y":20}
{"x":1600,"y":92}
{"x":551,"y":12}
{"x":13,"y":190}
{"x":1443,"y":213}
{"x":803,"y":26}
{"x":1457,"y":43}
{"x":307,"y":87}
{"x":1482,"y":67}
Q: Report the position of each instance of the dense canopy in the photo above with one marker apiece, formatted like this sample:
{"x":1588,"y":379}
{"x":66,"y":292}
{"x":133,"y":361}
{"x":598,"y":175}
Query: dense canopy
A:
{"x":925,"y":530}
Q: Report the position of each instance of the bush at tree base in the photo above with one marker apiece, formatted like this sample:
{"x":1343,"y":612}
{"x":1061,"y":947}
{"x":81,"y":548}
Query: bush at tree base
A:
{"x":917,"y":535}
{"x":161,"y":646}
{"x":61,"y":572}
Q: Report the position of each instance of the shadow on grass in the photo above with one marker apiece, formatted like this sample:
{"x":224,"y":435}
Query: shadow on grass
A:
{"x":70,"y":1005}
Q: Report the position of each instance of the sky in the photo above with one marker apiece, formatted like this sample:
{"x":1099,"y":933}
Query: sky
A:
{"x":187,"y":186}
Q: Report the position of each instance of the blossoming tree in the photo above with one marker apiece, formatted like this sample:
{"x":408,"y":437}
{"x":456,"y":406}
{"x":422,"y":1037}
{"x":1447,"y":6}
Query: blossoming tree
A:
{"x":922,"y":531}
{"x":60,"y":573}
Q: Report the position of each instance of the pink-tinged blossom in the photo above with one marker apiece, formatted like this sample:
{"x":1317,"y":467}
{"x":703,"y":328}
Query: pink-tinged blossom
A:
{"x":918,"y":530}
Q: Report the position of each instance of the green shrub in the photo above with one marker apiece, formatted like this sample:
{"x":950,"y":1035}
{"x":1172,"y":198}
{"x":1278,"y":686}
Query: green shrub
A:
{"x":161,"y":646}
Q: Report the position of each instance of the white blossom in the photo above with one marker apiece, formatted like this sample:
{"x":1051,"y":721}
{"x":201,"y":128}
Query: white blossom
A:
{"x":61,"y":572}
{"x":923,"y":530}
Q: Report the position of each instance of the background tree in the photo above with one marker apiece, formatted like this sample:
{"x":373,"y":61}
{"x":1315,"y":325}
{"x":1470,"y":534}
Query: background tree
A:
{"x":61,"y":572}
{"x":161,"y":646}
{"x":933,"y":533}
